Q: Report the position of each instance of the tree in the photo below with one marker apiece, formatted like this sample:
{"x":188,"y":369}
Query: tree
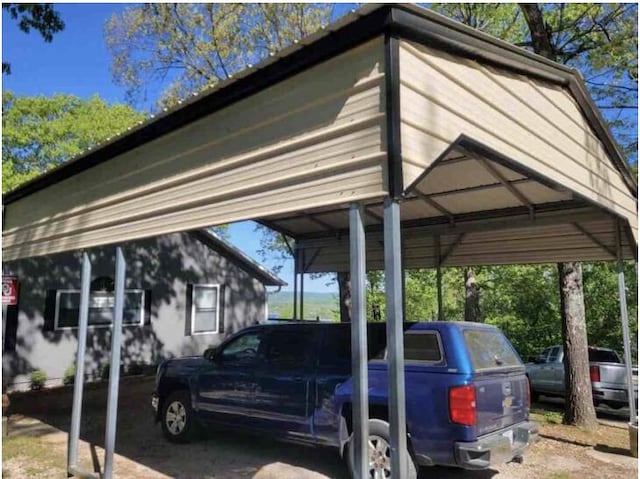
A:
{"x":39,"y":16}
{"x":578,"y":409}
{"x":344,"y":297}
{"x":471,"y":297}
{"x":187,"y":47}
{"x":41,"y":132}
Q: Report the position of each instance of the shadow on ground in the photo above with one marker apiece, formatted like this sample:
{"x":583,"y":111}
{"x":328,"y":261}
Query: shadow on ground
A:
{"x":219,"y":454}
{"x":605,"y":413}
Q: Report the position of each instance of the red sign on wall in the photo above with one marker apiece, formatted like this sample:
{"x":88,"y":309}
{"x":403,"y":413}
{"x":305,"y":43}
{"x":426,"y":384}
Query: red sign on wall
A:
{"x":9,"y":290}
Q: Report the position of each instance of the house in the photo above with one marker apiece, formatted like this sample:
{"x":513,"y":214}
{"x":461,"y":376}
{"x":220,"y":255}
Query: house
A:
{"x":184,"y":292}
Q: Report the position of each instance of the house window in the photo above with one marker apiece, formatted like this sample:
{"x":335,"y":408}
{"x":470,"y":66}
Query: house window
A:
{"x":101,"y":308}
{"x":205,"y":304}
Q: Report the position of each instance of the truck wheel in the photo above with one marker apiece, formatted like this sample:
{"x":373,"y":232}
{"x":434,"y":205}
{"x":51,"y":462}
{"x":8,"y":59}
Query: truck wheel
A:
{"x":533,"y":395}
{"x":177,"y":421}
{"x":379,"y":453}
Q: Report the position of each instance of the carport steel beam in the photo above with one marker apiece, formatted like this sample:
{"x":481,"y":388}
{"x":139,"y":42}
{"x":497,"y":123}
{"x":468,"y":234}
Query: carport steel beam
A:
{"x":624,"y":317}
{"x":114,"y":371}
{"x":359,"y":366}
{"x":78,"y":385}
{"x":395,"y":336}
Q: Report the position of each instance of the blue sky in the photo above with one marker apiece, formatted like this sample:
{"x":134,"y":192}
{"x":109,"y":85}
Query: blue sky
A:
{"x":77,"y":62}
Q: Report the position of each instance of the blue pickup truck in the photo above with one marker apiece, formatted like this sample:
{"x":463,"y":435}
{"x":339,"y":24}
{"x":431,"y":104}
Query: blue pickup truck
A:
{"x":467,"y":395}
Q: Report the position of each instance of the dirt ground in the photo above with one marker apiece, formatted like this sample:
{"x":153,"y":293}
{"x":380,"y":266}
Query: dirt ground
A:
{"x":37,"y":441}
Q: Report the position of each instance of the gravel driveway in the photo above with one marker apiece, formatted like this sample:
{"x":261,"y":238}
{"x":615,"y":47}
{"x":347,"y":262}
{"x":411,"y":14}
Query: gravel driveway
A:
{"x":143,"y":453}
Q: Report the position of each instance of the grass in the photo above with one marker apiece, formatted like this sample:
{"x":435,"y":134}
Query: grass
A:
{"x":606,"y":434}
{"x":559,"y":475}
{"x":28,"y":456}
{"x":545,"y":416}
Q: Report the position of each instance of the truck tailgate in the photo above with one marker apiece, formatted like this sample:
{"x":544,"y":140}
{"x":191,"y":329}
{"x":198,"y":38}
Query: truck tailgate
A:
{"x":501,"y":400}
{"x":615,"y":375}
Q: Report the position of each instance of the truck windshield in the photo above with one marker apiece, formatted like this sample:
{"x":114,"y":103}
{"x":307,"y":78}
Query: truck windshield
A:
{"x":603,"y":356}
{"x":489,"y":349}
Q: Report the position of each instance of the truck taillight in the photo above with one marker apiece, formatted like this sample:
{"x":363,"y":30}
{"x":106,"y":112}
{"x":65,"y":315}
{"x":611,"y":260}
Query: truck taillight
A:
{"x":462,"y":405}
{"x":528,"y":392}
{"x":594,"y":373}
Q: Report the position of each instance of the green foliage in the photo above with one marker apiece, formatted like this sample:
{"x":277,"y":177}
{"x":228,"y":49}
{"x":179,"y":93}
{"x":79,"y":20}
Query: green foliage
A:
{"x":69,"y":375}
{"x":39,"y":16}
{"x":603,"y":308}
{"x":190,"y":46}
{"x":41,"y":132}
{"x":421,"y":295}
{"x":38,"y":379}
{"x":522,"y":300}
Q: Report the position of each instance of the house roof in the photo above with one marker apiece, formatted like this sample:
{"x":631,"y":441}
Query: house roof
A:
{"x":216,"y":243}
{"x":404,"y":21}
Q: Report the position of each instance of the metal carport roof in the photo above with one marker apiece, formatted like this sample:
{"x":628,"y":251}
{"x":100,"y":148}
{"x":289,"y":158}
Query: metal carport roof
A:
{"x":330,"y":134}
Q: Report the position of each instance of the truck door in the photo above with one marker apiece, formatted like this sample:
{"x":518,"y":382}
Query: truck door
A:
{"x":226,"y":387}
{"x":556,"y":370}
{"x":285,"y":381}
{"x":540,"y":374}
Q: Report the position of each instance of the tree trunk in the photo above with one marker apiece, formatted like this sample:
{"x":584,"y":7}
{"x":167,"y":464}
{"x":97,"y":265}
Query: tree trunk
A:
{"x":471,"y":296}
{"x":578,"y":404}
{"x":540,"y":33}
{"x":344,"y":288}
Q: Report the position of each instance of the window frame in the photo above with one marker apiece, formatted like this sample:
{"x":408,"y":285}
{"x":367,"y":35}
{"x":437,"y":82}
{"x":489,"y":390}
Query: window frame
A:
{"x":310,"y":357}
{"x":193,"y":308}
{"x":234,"y":339}
{"x":558,"y":353}
{"x":56,"y":316}
{"x":441,"y":362}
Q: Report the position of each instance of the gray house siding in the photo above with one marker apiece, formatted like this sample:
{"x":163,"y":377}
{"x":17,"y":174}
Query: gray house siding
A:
{"x":162,"y":266}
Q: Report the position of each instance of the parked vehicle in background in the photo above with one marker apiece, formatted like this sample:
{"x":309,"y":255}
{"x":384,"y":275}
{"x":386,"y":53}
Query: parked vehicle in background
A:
{"x":466,"y":392}
{"x":607,"y":371}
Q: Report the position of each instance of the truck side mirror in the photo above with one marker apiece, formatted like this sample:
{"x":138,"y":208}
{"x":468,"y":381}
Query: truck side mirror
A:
{"x":210,"y":353}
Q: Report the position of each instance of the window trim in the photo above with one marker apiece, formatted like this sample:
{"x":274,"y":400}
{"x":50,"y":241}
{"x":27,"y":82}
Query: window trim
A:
{"x":95,"y":326}
{"x":193,"y":308}
{"x":441,"y":362}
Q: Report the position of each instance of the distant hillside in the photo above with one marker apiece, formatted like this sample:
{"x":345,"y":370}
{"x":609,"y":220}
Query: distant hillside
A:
{"x":322,"y":305}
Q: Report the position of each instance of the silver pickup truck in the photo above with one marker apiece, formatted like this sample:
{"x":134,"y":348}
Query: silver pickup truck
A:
{"x":608,"y":376}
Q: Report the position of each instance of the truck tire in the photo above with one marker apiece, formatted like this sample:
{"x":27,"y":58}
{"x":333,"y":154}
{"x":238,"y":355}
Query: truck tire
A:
{"x":177,"y":417}
{"x":534,"y":396}
{"x":379,"y":436}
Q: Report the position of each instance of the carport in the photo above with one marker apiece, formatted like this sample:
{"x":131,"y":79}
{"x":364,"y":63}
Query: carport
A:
{"x":439,"y":144}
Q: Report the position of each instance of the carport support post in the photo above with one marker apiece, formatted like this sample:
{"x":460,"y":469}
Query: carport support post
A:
{"x":360,"y":370}
{"x":114,"y":366}
{"x":302,"y":286}
{"x":625,"y":327}
{"x":395,"y":337}
{"x":295,"y":282}
{"x":78,"y":385}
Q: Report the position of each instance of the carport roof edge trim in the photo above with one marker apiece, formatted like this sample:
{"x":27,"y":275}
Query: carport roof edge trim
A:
{"x":404,"y":21}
